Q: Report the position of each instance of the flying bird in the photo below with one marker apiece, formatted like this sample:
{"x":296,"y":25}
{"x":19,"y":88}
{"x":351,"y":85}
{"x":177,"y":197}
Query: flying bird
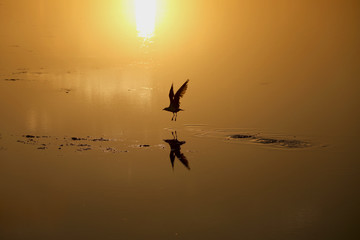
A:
{"x":174,"y":106}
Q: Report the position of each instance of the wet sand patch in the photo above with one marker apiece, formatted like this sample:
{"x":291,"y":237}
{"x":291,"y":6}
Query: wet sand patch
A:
{"x":278,"y":142}
{"x":254,"y":136}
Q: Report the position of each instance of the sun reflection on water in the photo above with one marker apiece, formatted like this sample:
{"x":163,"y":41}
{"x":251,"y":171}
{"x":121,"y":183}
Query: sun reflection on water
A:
{"x":145,"y":13}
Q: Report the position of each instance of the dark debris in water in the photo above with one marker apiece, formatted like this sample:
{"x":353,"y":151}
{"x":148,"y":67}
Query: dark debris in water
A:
{"x":66,"y":90}
{"x":144,"y":145}
{"x":77,"y":139}
{"x":100,"y":139}
{"x":241,"y":136}
{"x":77,"y":144}
{"x":110,"y":149}
{"x":34,"y":136}
{"x":84,"y":145}
{"x":12,"y":79}
{"x":90,"y":139}
{"x":141,"y":146}
{"x":29,"y":136}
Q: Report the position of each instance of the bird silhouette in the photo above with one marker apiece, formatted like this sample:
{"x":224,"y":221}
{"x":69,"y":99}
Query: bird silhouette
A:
{"x":175,"y":151}
{"x":174,"y":106}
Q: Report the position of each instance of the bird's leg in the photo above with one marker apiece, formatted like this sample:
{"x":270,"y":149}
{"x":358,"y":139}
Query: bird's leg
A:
{"x":172,"y":117}
{"x":175,"y":135}
{"x":175,"y":116}
{"x":172,"y":133}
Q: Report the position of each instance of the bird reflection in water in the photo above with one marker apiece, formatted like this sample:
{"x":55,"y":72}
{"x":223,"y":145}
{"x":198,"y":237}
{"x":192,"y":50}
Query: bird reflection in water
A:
{"x":175,"y":146}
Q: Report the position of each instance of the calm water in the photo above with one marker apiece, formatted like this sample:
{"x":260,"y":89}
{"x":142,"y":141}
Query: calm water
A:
{"x":267,"y":147}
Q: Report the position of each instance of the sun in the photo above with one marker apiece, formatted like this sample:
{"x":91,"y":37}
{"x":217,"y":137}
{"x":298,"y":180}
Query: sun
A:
{"x":145,"y":13}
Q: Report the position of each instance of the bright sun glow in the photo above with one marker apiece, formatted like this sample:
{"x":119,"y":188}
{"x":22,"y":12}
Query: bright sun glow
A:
{"x":145,"y":12}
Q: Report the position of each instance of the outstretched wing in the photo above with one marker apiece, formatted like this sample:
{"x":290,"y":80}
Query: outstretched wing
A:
{"x":182,"y":159}
{"x":171,"y":93}
{"x":180,"y":93}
